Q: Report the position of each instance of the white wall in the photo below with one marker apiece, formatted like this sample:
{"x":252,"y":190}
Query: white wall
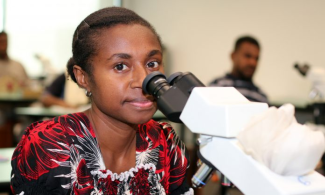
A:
{"x":46,"y":28}
{"x":199,"y":36}
{"x":2,"y":13}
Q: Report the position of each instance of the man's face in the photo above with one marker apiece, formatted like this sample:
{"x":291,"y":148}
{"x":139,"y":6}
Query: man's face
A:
{"x":3,"y":44}
{"x":245,"y":60}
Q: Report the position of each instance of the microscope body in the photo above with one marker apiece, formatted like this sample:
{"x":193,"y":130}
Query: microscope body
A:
{"x":253,"y":178}
{"x":218,"y":114}
{"x":316,"y":75}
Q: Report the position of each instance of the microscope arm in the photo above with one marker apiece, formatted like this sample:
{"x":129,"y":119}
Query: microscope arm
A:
{"x":223,"y":117}
{"x":253,"y":178}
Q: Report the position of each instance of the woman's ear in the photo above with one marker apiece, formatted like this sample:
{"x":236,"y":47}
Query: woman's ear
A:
{"x":81,"y":77}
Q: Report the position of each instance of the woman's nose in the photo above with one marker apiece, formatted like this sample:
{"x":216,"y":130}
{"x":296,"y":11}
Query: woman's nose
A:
{"x":138,"y":76}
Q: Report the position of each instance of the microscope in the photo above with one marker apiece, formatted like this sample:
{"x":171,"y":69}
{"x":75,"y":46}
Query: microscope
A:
{"x":317,"y":76}
{"x":218,"y":114}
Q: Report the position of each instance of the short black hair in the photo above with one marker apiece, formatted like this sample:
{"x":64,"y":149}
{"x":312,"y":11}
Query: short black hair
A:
{"x":246,"y":39}
{"x":85,"y":36}
{"x":3,"y":33}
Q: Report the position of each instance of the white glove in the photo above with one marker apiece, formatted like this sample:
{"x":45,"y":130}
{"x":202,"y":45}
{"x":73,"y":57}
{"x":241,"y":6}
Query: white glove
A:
{"x":275,"y":139}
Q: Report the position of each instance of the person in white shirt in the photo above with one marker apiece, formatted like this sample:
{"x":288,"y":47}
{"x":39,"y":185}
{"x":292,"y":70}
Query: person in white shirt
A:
{"x":9,"y":67}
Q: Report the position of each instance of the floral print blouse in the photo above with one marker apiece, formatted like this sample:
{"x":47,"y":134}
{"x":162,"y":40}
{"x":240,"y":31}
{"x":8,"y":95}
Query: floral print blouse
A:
{"x":62,"y":156}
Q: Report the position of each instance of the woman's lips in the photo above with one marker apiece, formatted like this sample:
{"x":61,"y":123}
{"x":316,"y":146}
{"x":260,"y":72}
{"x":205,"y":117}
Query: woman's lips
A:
{"x":141,"y":103}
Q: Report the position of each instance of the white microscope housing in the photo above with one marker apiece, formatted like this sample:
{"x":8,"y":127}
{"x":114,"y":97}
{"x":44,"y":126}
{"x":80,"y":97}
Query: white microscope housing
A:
{"x":218,"y":114}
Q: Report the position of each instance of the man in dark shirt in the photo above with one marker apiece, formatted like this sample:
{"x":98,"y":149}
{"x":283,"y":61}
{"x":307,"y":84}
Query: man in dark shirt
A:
{"x":54,"y":93}
{"x":245,"y":60}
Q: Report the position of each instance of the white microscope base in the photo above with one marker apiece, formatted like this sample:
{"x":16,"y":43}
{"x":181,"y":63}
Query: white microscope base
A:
{"x":253,"y":178}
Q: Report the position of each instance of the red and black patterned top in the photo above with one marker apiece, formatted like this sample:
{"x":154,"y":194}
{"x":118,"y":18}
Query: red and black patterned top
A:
{"x":62,"y":156}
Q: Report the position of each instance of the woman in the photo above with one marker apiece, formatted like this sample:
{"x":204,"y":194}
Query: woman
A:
{"x":114,"y":147}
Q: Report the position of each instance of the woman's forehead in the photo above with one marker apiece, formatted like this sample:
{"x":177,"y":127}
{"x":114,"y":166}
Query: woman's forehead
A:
{"x":122,"y":37}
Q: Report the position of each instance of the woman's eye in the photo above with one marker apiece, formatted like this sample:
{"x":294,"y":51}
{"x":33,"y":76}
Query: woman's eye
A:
{"x":153,"y":64}
{"x":120,"y":67}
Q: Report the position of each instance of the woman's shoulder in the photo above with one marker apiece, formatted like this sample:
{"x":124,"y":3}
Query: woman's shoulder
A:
{"x":57,"y":129}
{"x":156,"y":128}
{"x":63,"y":121}
{"x":155,"y":133}
{"x":76,"y":121}
{"x":43,"y":139}
{"x":167,"y":130}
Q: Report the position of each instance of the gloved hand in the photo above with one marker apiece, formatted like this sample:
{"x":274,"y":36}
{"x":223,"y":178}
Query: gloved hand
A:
{"x":275,"y":139}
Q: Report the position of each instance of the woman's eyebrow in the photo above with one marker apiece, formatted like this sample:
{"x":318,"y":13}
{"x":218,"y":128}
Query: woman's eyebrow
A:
{"x":128,"y":56}
{"x":120,"y":55}
{"x":154,"y":52}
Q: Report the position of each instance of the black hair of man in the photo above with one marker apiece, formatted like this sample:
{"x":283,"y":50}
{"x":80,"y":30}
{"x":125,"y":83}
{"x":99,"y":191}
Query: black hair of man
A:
{"x":246,"y":39}
{"x":3,"y":33}
{"x":4,"y":41}
{"x":85,"y":38}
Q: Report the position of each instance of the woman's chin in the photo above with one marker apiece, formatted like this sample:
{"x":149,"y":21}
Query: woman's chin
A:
{"x":139,"y":117}
{"x":142,"y":120}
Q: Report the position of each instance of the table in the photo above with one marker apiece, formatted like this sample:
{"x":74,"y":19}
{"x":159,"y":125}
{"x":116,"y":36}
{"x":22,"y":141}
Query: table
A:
{"x":5,"y":168}
{"x":17,"y":101}
{"x":38,"y":113}
{"x":8,"y":118}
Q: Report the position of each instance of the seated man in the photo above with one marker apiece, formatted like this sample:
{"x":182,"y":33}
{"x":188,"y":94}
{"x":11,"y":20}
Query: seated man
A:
{"x":54,"y":94}
{"x":8,"y":66}
{"x":12,"y":74}
{"x":245,"y":60}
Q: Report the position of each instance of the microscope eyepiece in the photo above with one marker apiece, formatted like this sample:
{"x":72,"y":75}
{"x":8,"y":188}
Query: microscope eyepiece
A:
{"x":155,"y":84}
{"x":172,"y":94}
{"x":171,"y":79}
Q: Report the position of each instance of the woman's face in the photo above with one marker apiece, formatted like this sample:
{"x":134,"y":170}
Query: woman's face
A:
{"x":126,"y":55}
